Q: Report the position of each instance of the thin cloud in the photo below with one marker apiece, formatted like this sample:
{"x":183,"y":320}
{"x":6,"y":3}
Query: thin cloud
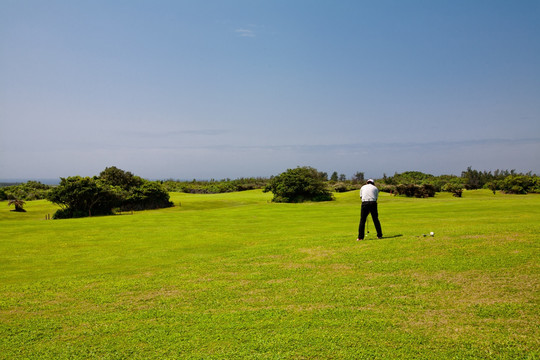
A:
{"x":174,"y":133}
{"x":245,"y":33}
{"x":381,"y":145}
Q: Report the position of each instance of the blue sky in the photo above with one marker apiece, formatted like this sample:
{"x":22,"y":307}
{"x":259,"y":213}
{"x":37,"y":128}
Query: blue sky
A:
{"x":216,"y":89}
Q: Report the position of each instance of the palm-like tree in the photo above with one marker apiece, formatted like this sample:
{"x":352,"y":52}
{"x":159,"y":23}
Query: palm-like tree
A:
{"x":19,"y":204}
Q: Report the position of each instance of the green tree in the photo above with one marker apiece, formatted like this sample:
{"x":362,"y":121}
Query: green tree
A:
{"x":334,"y":176}
{"x":113,"y":189}
{"x":84,"y":196}
{"x":359,"y":177}
{"x":493,"y":186}
{"x":19,"y":204}
{"x":299,"y":185}
{"x":517,"y":184}
{"x":150,"y":195}
{"x":118,"y":177}
{"x":453,"y":187}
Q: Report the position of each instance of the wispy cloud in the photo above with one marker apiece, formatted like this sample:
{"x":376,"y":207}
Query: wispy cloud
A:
{"x":174,"y":133}
{"x":380,"y":145}
{"x":242,"y":32}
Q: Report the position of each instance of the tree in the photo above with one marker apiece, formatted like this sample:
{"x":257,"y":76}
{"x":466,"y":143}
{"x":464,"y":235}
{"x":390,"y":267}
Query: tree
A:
{"x":334,"y":176}
{"x":84,"y":196}
{"x":113,"y":189}
{"x":118,"y":177}
{"x":19,"y":204}
{"x":453,"y":187}
{"x":359,"y":177}
{"x":150,"y":195}
{"x":493,"y":186}
{"x":299,"y":185}
{"x":342,"y":177}
{"x":518,"y":184}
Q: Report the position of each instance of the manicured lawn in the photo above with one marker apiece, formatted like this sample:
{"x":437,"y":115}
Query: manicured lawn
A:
{"x":233,"y":276}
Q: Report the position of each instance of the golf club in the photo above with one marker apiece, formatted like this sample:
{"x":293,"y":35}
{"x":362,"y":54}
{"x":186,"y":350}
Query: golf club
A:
{"x":367,"y":225}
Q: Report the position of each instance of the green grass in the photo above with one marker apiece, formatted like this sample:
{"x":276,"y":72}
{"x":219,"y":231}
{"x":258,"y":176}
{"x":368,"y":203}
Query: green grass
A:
{"x":234,"y":276}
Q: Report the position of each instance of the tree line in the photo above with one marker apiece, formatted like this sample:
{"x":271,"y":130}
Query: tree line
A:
{"x":118,"y":190}
{"x":113,"y":190}
{"x":509,"y":182}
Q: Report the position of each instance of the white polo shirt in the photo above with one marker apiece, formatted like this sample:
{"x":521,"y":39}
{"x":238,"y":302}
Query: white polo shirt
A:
{"x":369,"y":192}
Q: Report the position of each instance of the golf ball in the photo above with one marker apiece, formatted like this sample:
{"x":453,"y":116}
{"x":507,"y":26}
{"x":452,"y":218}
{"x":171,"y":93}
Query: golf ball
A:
{"x":431,"y":233}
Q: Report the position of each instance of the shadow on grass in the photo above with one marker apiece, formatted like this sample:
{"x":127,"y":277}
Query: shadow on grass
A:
{"x":385,"y":237}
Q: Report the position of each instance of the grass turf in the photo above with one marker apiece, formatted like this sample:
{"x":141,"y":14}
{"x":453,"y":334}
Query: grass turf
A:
{"x":235,"y":276}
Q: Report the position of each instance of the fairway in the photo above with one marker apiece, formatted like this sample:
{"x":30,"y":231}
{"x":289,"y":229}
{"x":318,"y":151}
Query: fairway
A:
{"x":234,"y":276}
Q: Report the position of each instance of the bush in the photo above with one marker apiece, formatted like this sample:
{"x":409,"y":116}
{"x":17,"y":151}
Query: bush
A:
{"x":455,"y":189}
{"x":387,"y":188}
{"x":519,"y":184}
{"x":85,"y":196}
{"x":344,"y":187}
{"x":299,"y":185}
{"x":493,"y":186}
{"x":408,"y":177}
{"x":150,"y":195}
{"x":214,"y":187}
{"x":418,"y":191}
{"x":31,"y":190}
{"x":70,"y":214}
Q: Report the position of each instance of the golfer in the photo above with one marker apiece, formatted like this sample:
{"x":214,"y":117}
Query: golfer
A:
{"x":369,"y":194}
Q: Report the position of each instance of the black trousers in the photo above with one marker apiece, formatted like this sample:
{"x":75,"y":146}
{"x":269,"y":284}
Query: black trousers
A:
{"x":369,"y":207}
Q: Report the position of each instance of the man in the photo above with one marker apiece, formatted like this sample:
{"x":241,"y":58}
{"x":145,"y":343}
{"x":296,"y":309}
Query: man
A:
{"x":369,"y":194}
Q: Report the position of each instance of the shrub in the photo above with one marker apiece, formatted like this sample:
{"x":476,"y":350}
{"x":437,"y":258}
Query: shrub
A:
{"x":518,"y":184}
{"x":455,"y":189}
{"x":150,"y":195}
{"x":214,"y":187}
{"x":299,"y":185}
{"x":68,"y":214}
{"x":493,"y":186}
{"x":428,"y":190}
{"x":418,"y":191}
{"x":31,"y":190}
{"x":387,"y":188}
{"x":84,"y":195}
{"x":344,"y":187}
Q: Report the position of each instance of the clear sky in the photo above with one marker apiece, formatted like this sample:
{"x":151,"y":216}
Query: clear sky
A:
{"x":205,"y":89}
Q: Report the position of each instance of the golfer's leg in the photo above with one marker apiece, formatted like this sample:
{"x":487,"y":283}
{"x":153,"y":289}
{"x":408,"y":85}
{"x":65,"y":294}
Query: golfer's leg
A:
{"x":363,"y":217}
{"x":376,"y":222}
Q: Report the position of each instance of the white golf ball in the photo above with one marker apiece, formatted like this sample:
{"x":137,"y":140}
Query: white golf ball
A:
{"x":431,"y":233}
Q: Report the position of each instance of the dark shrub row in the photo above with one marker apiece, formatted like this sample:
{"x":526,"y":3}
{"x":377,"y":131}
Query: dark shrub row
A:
{"x":418,"y":191}
{"x":509,"y":182}
{"x":215,"y":186}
